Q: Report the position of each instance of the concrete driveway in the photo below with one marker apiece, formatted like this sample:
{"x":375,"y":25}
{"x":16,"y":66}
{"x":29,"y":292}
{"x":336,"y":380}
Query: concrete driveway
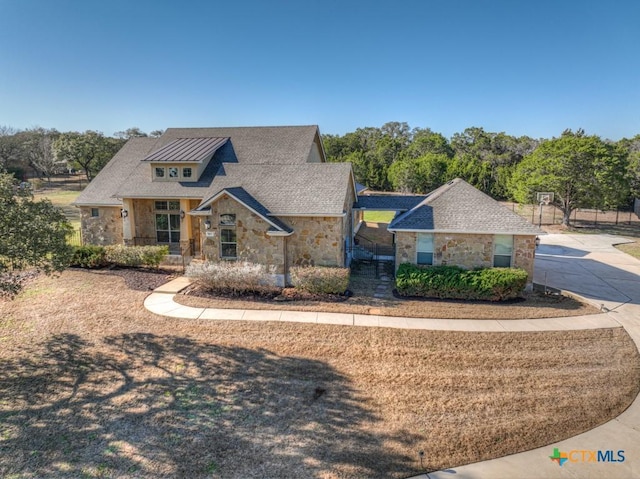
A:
{"x":591,"y":266}
{"x":588,"y":265}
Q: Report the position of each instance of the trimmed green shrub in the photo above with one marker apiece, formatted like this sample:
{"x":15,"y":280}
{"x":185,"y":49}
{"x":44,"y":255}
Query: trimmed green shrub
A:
{"x":232,"y":277}
{"x":453,"y":282}
{"x":320,"y":279}
{"x":89,"y":256}
{"x":150,"y":256}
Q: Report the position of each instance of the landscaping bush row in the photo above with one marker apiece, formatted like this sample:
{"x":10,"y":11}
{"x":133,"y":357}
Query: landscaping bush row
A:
{"x":453,"y":282}
{"x":233,"y":277}
{"x":320,"y":280}
{"x":91,"y":256}
{"x":238,"y":278}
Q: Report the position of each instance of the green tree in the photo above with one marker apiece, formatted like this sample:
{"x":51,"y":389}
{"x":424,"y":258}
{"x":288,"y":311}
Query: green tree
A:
{"x":33,"y":235}
{"x":425,"y":141}
{"x":582,"y":171}
{"x":486,"y":160}
{"x":632,"y":148}
{"x":10,"y":157}
{"x":419,"y":175}
{"x":89,"y":151}
{"x":634,"y":173}
{"x":133,"y":132}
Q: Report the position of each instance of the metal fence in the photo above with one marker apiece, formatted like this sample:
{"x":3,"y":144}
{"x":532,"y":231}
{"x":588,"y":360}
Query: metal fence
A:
{"x":372,"y":260}
{"x":551,"y":215}
{"x":75,"y":238}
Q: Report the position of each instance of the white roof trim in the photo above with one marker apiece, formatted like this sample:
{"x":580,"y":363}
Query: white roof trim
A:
{"x":97,"y":205}
{"x":226,"y":192}
{"x":515,"y":233}
{"x":200,"y":213}
{"x":310,"y":215}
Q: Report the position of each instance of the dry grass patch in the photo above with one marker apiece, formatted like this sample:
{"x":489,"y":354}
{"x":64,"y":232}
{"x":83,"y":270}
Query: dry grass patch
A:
{"x":92,"y":385}
{"x":632,"y":249}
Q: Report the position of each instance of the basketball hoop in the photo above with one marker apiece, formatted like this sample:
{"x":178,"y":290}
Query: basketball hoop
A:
{"x":544,"y":197}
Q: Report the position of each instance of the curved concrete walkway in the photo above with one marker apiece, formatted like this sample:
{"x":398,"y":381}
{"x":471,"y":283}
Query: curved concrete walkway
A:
{"x":587,"y":265}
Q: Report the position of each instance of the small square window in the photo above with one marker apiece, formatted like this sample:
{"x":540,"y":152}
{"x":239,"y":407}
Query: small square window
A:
{"x":228,"y":219}
{"x":161,"y":205}
{"x":186,"y":172}
{"x":159,"y":172}
{"x":173,"y":172}
{"x":174,"y":205}
{"x":95,"y":212}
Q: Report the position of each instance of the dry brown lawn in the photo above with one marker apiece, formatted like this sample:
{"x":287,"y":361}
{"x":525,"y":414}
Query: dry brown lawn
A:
{"x":632,"y":249}
{"x":93,"y":385}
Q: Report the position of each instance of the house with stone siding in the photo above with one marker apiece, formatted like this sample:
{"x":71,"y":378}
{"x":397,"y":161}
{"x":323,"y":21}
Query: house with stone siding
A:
{"x":267,"y":195}
{"x":458,"y":224}
{"x":259,"y":194}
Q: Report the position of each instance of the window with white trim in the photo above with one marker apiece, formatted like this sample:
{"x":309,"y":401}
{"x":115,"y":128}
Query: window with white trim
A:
{"x":173,"y":172}
{"x":228,"y":238}
{"x":186,"y":172}
{"x":159,"y":171}
{"x":424,"y":248}
{"x":502,"y":251}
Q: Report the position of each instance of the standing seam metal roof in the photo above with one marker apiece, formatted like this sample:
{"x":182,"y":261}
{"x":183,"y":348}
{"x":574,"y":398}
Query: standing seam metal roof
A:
{"x":187,"y":150}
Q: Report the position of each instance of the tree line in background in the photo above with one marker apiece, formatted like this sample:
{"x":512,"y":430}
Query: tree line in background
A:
{"x":41,"y":152}
{"x":583,"y":171}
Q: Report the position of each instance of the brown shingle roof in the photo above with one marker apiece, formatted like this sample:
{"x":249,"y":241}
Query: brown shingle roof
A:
{"x":269,"y":163}
{"x":307,"y":189}
{"x":459,"y":207}
{"x":101,"y":190}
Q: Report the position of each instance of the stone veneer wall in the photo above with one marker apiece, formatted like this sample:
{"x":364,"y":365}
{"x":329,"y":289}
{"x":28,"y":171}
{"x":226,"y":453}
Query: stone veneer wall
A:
{"x":316,"y":241}
{"x":253,"y":243}
{"x":105,"y":229}
{"x":466,"y":250}
{"x":145,"y":219}
{"x":406,"y":243}
{"x":524,"y":254}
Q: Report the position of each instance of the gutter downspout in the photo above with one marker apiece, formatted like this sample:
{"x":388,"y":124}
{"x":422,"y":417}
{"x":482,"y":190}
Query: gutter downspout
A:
{"x":284,"y":254}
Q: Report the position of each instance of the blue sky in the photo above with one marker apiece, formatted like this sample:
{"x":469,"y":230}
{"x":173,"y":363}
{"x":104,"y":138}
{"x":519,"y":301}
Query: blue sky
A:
{"x":523,"y":67}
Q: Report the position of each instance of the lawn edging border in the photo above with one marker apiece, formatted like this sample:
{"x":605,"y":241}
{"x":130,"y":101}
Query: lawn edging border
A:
{"x":162,"y":302}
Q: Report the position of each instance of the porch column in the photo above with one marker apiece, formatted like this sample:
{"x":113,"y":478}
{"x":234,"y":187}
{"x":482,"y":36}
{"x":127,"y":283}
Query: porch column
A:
{"x":128,"y":222}
{"x":185,"y":226}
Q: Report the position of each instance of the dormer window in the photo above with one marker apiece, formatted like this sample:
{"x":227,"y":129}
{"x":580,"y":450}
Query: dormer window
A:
{"x":183,"y":159}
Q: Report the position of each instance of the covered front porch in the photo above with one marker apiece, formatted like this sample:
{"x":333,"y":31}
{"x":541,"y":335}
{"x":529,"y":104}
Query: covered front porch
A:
{"x":162,"y":222}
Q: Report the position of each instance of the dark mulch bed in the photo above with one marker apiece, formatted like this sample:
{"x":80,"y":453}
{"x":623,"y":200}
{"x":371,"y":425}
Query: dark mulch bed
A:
{"x":267,"y":297}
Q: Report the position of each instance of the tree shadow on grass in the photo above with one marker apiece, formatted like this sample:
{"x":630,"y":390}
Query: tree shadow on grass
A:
{"x":142,"y":405}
